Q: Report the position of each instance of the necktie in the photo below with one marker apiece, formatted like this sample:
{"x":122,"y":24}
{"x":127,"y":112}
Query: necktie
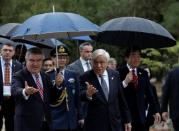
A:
{"x":135,"y":79}
{"x":88,"y":66}
{"x":39,"y":86}
{"x":7,"y":74}
{"x":104,"y":87}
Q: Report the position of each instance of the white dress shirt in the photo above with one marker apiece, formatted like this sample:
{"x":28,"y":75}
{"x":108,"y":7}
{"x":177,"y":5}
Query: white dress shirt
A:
{"x":106,"y":78}
{"x":3,"y":68}
{"x":84,"y":65}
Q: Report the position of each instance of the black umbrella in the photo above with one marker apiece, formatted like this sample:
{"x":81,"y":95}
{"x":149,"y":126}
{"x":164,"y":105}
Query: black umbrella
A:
{"x":7,"y":29}
{"x":130,"y":31}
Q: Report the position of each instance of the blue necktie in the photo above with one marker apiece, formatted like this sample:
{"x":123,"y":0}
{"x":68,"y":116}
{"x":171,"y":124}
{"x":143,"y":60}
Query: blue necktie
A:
{"x":104,"y":87}
{"x":88,"y":66}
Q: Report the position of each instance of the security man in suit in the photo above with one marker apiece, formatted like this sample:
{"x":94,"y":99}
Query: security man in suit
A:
{"x":80,"y":66}
{"x":8,"y":67}
{"x":66,"y":109}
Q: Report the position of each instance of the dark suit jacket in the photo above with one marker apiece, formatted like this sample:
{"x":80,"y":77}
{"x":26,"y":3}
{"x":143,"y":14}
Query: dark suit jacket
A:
{"x":61,"y":118}
{"x":77,"y":67}
{"x":29,"y":114}
{"x":15,"y":67}
{"x":136,"y":98}
{"x":103,"y":114}
{"x":170,"y":95}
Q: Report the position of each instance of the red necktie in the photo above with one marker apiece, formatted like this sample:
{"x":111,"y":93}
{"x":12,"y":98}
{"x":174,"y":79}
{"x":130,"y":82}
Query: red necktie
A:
{"x":7,"y":74}
{"x":135,"y":79}
{"x":39,"y":86}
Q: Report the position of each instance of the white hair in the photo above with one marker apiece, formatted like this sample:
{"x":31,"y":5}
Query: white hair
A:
{"x":100,"y":52}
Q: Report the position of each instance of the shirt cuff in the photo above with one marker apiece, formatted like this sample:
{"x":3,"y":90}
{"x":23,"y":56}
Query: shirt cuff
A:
{"x":26,"y":97}
{"x":124,"y":84}
{"x":89,"y":98}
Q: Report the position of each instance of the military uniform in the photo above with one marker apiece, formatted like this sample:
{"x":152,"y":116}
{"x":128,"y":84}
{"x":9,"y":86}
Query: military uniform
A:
{"x":65,"y":110}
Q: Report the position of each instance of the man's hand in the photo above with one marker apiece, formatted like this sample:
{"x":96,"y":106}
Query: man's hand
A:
{"x":90,"y":90}
{"x":165,"y":116}
{"x":157,"y":118}
{"x":59,"y":79}
{"x":29,"y":90}
{"x":129,"y":78}
{"x":81,"y":123}
{"x":128,"y":127}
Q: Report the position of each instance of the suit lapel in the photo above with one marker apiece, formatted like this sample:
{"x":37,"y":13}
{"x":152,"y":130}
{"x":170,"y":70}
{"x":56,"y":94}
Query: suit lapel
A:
{"x":1,"y":77}
{"x":140,"y":81}
{"x":13,"y":67}
{"x":111,"y":84}
{"x":97,"y":85}
{"x":45,"y":86}
{"x":79,"y":64}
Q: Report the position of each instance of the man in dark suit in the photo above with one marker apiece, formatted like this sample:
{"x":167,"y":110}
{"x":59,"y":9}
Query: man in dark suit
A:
{"x":7,"y":68}
{"x":137,"y":89}
{"x":102,"y":88}
{"x":149,"y":109}
{"x":33,"y":92}
{"x":80,"y":66}
{"x":170,"y":96}
{"x":65,"y":111}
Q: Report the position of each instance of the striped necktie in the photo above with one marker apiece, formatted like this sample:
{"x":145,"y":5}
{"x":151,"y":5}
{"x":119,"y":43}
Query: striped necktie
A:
{"x":39,"y":86}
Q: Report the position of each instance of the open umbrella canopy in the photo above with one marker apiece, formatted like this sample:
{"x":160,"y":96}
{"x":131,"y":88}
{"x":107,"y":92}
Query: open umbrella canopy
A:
{"x":48,"y":44}
{"x":129,"y":31}
{"x":51,"y":43}
{"x":7,"y":29}
{"x":55,"y":25}
{"x":84,"y":38}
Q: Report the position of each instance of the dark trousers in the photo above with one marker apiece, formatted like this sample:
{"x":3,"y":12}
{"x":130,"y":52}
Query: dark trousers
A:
{"x":138,"y":127}
{"x":65,"y":130}
{"x":45,"y":126}
{"x":175,"y":125}
{"x":7,"y":112}
{"x":149,"y":122}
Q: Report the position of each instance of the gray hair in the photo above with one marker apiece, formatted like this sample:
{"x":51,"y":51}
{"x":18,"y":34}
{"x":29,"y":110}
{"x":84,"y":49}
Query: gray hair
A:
{"x":84,"y":44}
{"x":100,"y":52}
{"x":112,"y":60}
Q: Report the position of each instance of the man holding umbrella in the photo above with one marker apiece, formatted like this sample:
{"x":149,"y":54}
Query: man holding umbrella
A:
{"x":65,"y":111}
{"x":137,"y":89}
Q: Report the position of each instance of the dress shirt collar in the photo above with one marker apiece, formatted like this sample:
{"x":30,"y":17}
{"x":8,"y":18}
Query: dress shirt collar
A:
{"x":130,"y":68}
{"x":3,"y":62}
{"x":83,"y":61}
{"x":105,"y":74}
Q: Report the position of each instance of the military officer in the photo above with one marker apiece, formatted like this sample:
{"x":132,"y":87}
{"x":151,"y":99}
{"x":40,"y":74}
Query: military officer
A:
{"x":65,"y":109}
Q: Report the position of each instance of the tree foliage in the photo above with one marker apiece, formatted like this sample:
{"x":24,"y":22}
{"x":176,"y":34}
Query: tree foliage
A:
{"x":164,"y":12}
